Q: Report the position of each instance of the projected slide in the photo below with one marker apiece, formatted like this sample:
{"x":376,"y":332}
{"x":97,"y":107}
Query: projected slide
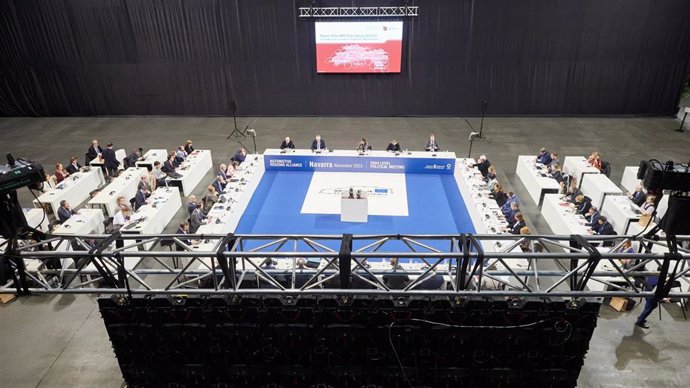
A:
{"x":358,"y":47}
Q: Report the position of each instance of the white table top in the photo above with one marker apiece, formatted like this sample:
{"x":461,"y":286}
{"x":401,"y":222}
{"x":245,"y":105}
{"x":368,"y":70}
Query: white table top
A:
{"x":351,"y":153}
{"x":620,"y":211}
{"x":75,"y":189}
{"x":88,"y":221}
{"x":629,"y":181}
{"x":193,"y":169}
{"x":124,"y":185}
{"x":157,"y":213}
{"x":535,"y":177}
{"x":562,"y":218}
{"x":152,"y":156}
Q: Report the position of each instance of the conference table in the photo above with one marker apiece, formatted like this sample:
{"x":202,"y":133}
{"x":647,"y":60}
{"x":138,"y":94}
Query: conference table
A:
{"x":578,"y":166}
{"x":87,"y":221}
{"x":562,"y":218}
{"x":75,"y":189}
{"x":598,"y":187}
{"x":125,"y":185}
{"x":37,"y":219}
{"x":192,"y":171}
{"x":363,"y":155}
{"x":535,"y":177}
{"x":620,"y":212}
{"x":120,"y":155}
{"x":629,"y":181}
{"x":156,"y":214}
{"x":152,"y":156}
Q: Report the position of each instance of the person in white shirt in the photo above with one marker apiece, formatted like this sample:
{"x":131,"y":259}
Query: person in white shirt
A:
{"x":158,"y":174}
{"x":119,"y":220}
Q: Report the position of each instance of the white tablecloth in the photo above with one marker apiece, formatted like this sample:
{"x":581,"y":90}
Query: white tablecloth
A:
{"x":88,"y":221}
{"x":160,"y":210}
{"x":124,"y":185}
{"x":630,"y":181}
{"x":75,"y":189}
{"x":577,"y":166}
{"x":408,"y":154}
{"x":36,"y":218}
{"x":562,"y":219}
{"x":193,"y":170}
{"x":536,"y":181}
{"x":620,"y":212}
{"x":151,"y":156}
{"x":598,"y":186}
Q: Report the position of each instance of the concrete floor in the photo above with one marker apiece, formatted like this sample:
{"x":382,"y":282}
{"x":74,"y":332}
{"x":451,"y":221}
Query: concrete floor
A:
{"x":60,"y":341}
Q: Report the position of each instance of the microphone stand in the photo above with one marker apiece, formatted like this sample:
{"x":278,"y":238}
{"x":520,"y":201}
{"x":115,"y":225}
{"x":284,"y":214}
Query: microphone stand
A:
{"x":474,"y":134}
{"x":236,"y":133}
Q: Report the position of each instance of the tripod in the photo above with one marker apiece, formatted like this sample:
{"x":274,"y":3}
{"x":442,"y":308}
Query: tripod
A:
{"x":236,"y":133}
{"x":477,"y":135}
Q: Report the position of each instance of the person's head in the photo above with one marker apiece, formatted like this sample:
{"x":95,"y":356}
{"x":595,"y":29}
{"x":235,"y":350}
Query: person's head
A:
{"x":627,"y":244}
{"x":482,"y":158}
{"x":142,"y":178}
{"x":597,"y":156}
{"x":156,"y":164}
{"x":180,"y":148}
{"x":317,"y":138}
{"x":638,"y":188}
{"x":556,"y":167}
{"x":519,"y":217}
{"x":223,"y":167}
{"x":492,"y":170}
{"x":498,"y":188}
{"x":243,"y":151}
{"x":73,"y":160}
{"x":525,"y":230}
{"x":184,"y":225}
{"x":171,"y":157}
{"x":59,"y":167}
{"x":93,"y":193}
{"x":592,"y":210}
{"x":394,"y":262}
{"x":554,"y":156}
{"x":211,"y":189}
{"x":542,"y":151}
{"x":120,"y":200}
{"x":192,"y":198}
{"x":514,"y":205}
{"x":301,"y":264}
{"x":64,"y":203}
{"x":580,"y":198}
{"x":94,"y":143}
{"x":109,"y":145}
{"x":200,"y":205}
{"x":188,"y":142}
{"x":650,"y":199}
{"x":394,"y":142}
{"x":218,"y":179}
{"x":126,"y":211}
{"x":287,"y":139}
{"x":432,"y":137}
{"x":235,"y":164}
{"x":363,"y":140}
{"x":602,"y":220}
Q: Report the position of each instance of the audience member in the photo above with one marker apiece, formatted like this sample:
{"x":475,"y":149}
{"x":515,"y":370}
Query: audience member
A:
{"x":180,"y":155}
{"x":393,"y":146}
{"x":121,"y":203}
{"x":211,"y":198}
{"x":183,"y":229}
{"x":223,"y":173}
{"x":74,"y":165}
{"x":557,"y":174}
{"x":94,"y":151}
{"x":318,"y":144}
{"x":582,"y":204}
{"x":188,"y":147}
{"x":197,"y":218}
{"x":499,"y":195}
{"x":110,"y":162}
{"x":140,"y":197}
{"x":144,"y":184}
{"x":491,"y":177}
{"x":512,"y":211}
{"x":595,"y":160}
{"x":432,"y":144}
{"x":158,"y":174}
{"x":603,"y":227}
{"x":638,"y":197}
{"x":60,"y":173}
{"x":544,"y":157}
{"x":218,"y":184}
{"x":554,"y":160}
{"x":518,"y":224}
{"x":512,"y":197}
{"x":239,"y":156}
{"x":169,"y":165}
{"x":191,"y":204}
{"x":592,"y":216}
{"x":573,"y":191}
{"x":648,"y":205}
{"x":119,"y":220}
{"x":287,"y":143}
{"x":65,"y":211}
{"x":363,"y":146}
{"x":132,"y":158}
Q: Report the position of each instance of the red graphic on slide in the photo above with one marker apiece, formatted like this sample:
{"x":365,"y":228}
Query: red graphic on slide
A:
{"x":359,"y":57}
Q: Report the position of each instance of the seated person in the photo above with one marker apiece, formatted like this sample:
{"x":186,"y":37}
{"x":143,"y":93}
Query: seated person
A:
{"x":65,"y":211}
{"x":218,"y":184}
{"x":363,"y":145}
{"x":240,"y":156}
{"x":158,"y":173}
{"x":483,"y":165}
{"x":491,"y":177}
{"x":554,"y":160}
{"x":557,"y":174}
{"x":603,"y":227}
{"x":573,"y":191}
{"x":519,"y":223}
{"x":287,"y":143}
{"x":74,"y":165}
{"x":211,"y":198}
{"x":544,"y":157}
{"x":140,"y":198}
{"x":180,"y":155}
{"x":169,"y":165}
{"x":60,"y":173}
{"x":223,"y":173}
{"x":393,"y":146}
{"x":648,"y":205}
{"x":94,"y":151}
{"x":191,"y":203}
{"x":397,"y":279}
{"x":197,"y":218}
{"x":132,"y":159}
{"x":318,"y":144}
{"x":188,"y":147}
{"x":595,"y":160}
{"x":582,"y":204}
{"x":432,"y":144}
{"x":510,"y":215}
{"x":592,"y":216}
{"x":144,"y":184}
{"x":499,"y":195}
{"x":512,"y":197}
{"x":433,"y":282}
{"x":638,"y":197}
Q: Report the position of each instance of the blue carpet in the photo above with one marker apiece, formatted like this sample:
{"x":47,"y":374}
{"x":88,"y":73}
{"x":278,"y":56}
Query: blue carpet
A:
{"x":435,"y":206}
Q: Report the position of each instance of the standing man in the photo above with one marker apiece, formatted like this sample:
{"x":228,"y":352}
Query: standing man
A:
{"x":432,"y":144}
{"x":110,"y":161}
{"x":318,"y":144}
{"x":287,"y":143}
{"x":94,"y":151}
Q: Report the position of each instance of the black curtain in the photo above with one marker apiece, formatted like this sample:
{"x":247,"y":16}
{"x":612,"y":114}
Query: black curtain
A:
{"x":192,"y":57}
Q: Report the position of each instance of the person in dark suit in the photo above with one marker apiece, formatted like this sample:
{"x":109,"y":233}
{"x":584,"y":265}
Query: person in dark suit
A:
{"x":65,"y":211}
{"x":518,"y":224}
{"x":603,"y":227}
{"x":218,"y":184}
{"x":94,"y":151}
{"x":287,"y":143}
{"x":140,"y":198}
{"x":557,"y":174}
{"x":363,"y":146}
{"x":188,"y":147}
{"x":638,"y":196}
{"x":169,"y":165}
{"x":592,"y":216}
{"x":500,"y":196}
{"x":182,"y":229}
{"x":239,"y":156}
{"x":110,"y":161}
{"x":432,"y":144}
{"x":318,"y":144}
{"x":512,"y":211}
{"x":393,"y":146}
{"x":132,"y":159}
{"x":483,"y":165}
{"x":544,"y":157}
{"x":197,"y":218}
{"x":434,"y":282}
{"x":74,"y":165}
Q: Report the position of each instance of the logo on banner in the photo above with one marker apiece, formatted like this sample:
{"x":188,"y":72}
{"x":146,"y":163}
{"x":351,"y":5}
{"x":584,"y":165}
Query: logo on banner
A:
{"x":372,"y":191}
{"x":288,"y":163}
{"x":438,"y":166}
